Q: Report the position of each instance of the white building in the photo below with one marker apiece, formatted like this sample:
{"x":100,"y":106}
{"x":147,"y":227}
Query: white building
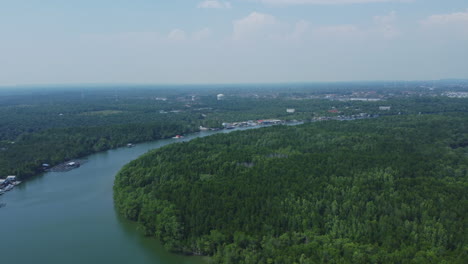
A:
{"x":11,"y":178}
{"x":220,"y":97}
{"x":385,"y":108}
{"x":290,"y":110}
{"x":365,"y":99}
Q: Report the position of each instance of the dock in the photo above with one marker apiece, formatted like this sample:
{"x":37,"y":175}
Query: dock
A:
{"x":67,"y":166}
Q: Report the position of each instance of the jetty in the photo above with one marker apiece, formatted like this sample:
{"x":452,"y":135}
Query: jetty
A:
{"x":8,"y":184}
{"x":67,"y":166}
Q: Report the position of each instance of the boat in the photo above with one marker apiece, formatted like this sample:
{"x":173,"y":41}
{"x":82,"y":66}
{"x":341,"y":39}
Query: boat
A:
{"x":9,"y":187}
{"x":73,"y":164}
{"x":178,"y":136}
{"x":2,"y":191}
{"x":16,"y":183}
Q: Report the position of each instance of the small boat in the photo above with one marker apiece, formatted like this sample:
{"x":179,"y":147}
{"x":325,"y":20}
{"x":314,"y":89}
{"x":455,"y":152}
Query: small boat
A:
{"x":2,"y":191}
{"x":178,"y":136}
{"x":9,"y":187}
{"x":73,"y":164}
{"x":17,"y":183}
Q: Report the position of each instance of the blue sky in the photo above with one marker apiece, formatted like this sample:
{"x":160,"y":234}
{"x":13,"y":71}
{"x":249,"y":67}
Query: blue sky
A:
{"x":236,"y":41}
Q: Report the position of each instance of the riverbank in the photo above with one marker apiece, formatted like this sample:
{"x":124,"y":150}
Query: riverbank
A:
{"x":46,"y":165}
{"x":67,"y":166}
{"x":31,"y":151}
{"x":233,"y":180}
{"x":74,"y":211}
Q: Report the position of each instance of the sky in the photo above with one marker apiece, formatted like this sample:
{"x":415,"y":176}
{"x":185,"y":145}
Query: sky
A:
{"x":232,"y":41}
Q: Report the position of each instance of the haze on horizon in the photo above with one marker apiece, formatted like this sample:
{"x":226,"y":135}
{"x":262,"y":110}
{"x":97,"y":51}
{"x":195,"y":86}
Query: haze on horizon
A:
{"x":236,"y":41}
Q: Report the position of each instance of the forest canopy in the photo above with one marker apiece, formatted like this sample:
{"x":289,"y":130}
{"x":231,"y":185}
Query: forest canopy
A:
{"x":385,"y":190}
{"x":55,"y":125}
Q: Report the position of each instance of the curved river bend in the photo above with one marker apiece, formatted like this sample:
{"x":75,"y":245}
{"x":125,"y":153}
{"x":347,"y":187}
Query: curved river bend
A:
{"x":69,"y":217}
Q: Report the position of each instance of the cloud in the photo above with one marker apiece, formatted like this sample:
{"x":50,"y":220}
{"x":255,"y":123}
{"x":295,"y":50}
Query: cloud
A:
{"x":326,"y":2}
{"x":386,"y":25}
{"x":338,"y":34}
{"x":386,"y":19}
{"x":264,"y":26}
{"x":300,"y":29}
{"x":214,"y":4}
{"x":253,"y":25}
{"x":148,"y":39}
{"x":444,"y":19}
{"x":338,"y":29}
{"x":201,"y":34}
{"x":177,"y":35}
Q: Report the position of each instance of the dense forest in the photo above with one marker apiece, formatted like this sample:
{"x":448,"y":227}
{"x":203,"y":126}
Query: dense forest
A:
{"x":386,"y":190}
{"x":53,"y":146}
{"x":54,"y":124}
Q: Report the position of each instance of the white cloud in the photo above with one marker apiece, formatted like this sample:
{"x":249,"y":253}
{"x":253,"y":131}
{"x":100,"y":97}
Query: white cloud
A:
{"x":177,"y":35}
{"x":201,"y":34}
{"x":253,"y":25}
{"x":264,"y":26}
{"x":443,"y":19}
{"x":300,"y":29}
{"x":214,"y":4}
{"x":386,"y":25}
{"x":326,"y":2}
{"x":386,"y":19}
{"x":338,"y":29}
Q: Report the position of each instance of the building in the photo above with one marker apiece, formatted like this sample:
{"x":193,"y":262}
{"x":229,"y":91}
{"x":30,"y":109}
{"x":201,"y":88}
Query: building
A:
{"x":269,"y":122}
{"x":290,"y":110}
{"x":220,"y":97}
{"x":11,"y":178}
{"x":456,"y":94}
{"x":385,"y":108}
{"x":365,"y":99}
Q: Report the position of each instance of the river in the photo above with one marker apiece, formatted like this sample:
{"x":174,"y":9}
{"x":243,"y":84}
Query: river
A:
{"x":69,"y":217}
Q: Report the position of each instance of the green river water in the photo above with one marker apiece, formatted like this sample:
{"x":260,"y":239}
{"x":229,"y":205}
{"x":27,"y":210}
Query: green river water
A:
{"x":69,"y":217}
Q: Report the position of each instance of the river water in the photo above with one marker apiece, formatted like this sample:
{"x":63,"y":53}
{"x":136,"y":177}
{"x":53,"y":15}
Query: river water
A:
{"x":69,"y":217}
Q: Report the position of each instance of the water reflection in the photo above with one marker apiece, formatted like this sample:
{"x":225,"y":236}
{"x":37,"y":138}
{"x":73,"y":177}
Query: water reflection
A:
{"x":153,"y":247}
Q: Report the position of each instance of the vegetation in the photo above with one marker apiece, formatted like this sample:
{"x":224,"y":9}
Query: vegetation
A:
{"x":386,"y":190}
{"x":57,"y":127}
{"x":53,"y":146}
{"x":53,"y":125}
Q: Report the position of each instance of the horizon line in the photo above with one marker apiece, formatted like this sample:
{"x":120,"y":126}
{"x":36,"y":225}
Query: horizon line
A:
{"x":26,"y":85}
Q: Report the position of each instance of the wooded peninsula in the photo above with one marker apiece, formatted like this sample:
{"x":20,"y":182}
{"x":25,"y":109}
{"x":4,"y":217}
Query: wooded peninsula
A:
{"x":386,"y":190}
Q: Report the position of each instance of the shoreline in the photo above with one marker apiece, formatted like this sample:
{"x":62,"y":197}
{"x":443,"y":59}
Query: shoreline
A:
{"x":237,"y":125}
